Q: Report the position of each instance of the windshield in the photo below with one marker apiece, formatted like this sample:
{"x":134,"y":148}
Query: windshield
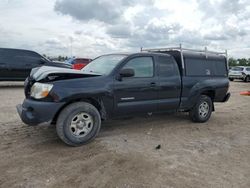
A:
{"x":237,"y":69}
{"x":104,"y":64}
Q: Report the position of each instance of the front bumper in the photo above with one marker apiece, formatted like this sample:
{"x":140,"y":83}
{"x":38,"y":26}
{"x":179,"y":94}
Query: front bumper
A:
{"x":236,"y":76}
{"x":36,"y":112}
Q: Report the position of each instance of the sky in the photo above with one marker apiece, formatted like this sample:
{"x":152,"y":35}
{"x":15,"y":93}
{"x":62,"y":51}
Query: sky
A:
{"x":88,"y":28}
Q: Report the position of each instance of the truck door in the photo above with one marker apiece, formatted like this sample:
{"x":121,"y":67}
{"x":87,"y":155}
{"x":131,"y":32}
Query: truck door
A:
{"x":169,"y":83}
{"x":137,"y":94}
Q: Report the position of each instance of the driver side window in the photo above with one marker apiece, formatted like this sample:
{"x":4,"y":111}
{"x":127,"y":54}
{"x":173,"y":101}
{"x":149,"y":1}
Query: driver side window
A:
{"x":142,"y":66}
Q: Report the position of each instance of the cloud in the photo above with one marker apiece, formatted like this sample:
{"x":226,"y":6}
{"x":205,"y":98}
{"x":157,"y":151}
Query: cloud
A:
{"x":215,"y":37}
{"x":225,"y":13}
{"x":132,"y":24}
{"x":119,"y":31}
{"x":78,"y":32}
{"x":101,"y":10}
{"x":153,"y":34}
{"x":53,"y":41}
{"x":7,"y":36}
{"x":221,"y":9}
{"x":104,"y":26}
{"x":56,"y":44}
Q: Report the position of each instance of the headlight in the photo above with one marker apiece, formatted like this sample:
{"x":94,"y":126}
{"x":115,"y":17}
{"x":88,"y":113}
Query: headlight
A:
{"x":40,"y":90}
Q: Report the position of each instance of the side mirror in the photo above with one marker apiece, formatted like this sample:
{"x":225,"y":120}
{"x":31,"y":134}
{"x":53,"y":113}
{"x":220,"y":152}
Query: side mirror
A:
{"x":128,"y":72}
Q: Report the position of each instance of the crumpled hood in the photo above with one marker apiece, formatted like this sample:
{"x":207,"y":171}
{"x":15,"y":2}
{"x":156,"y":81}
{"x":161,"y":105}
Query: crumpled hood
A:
{"x":56,"y":73}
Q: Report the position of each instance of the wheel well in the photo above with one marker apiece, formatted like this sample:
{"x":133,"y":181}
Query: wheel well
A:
{"x":210,"y":93}
{"x":95,"y":102}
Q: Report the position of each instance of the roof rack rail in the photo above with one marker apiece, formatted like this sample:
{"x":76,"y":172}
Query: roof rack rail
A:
{"x":180,"y":48}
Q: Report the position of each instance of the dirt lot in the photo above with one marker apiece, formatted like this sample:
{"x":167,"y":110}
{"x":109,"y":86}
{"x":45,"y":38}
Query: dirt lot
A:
{"x":214,"y":154}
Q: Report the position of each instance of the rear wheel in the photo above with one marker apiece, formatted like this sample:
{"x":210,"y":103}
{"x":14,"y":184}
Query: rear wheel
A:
{"x":202,"y":110}
{"x":78,"y":123}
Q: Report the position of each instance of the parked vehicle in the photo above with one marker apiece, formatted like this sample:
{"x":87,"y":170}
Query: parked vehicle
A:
{"x":16,"y":64}
{"x":116,"y":85}
{"x":240,"y":73}
{"x":79,"y":63}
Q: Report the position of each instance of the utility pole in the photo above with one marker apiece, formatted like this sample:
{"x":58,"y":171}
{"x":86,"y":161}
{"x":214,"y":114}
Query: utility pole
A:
{"x":71,"y":47}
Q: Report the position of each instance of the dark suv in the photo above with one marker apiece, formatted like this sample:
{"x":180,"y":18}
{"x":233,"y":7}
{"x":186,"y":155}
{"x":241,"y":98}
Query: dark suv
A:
{"x":16,"y":64}
{"x":115,"y":85}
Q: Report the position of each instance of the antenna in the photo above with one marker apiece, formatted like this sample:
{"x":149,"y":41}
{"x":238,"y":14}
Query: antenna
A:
{"x":71,"y":46}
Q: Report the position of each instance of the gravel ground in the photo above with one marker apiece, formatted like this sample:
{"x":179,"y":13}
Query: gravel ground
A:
{"x":214,"y":154}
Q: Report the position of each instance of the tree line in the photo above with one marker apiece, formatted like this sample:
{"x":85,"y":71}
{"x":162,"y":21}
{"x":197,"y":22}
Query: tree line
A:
{"x":58,"y":58}
{"x":238,"y":62}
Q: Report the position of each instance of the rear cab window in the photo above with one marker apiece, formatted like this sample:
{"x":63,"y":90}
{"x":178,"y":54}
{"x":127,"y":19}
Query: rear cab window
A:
{"x":167,"y":66}
{"x":143,"y":67}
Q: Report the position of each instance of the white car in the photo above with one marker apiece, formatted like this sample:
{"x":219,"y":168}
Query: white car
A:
{"x":239,"y":72}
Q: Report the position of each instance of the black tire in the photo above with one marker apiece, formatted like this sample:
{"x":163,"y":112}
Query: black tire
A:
{"x":195,"y":113}
{"x":231,"y":79}
{"x":64,"y":121}
{"x":247,"y":79}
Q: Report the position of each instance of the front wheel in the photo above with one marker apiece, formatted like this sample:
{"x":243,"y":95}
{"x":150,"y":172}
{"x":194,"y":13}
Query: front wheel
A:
{"x":231,"y":79}
{"x":247,"y":79}
{"x":78,"y":123}
{"x":202,"y":110}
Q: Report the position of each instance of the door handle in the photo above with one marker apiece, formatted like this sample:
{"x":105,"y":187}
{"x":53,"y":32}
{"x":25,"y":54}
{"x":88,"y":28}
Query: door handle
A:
{"x":152,"y":84}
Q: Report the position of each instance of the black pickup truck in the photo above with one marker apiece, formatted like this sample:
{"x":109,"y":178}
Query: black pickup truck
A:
{"x":118,"y":85}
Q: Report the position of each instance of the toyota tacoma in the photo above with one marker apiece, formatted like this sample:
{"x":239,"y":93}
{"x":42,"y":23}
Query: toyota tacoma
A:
{"x":116,"y":85}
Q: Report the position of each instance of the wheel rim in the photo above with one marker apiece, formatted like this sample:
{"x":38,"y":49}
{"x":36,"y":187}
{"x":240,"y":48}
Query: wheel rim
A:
{"x":81,"y":124}
{"x":203,"y":109}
